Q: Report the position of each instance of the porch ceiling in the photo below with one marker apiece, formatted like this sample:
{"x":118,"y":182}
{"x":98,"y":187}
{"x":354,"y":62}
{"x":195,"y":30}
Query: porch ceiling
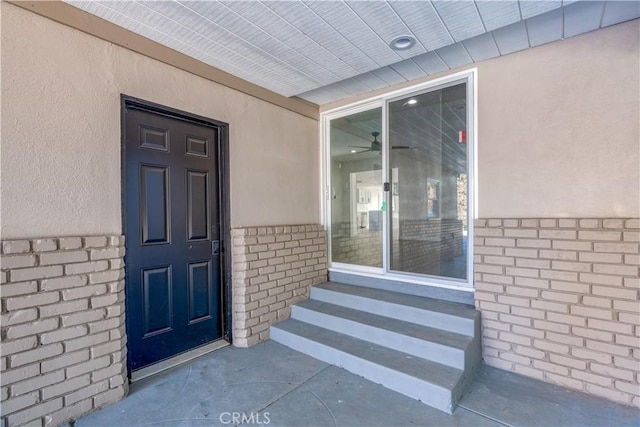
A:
{"x":323,"y":51}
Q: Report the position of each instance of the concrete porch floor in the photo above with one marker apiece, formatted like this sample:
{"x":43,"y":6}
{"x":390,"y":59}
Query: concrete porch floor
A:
{"x":292,"y":389}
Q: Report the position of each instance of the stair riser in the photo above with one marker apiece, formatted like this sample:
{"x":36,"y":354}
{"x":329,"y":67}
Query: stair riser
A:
{"x":434,"y":396}
{"x":408,"y":314}
{"x":444,"y":294}
{"x":473,"y":356}
{"x":424,"y":349}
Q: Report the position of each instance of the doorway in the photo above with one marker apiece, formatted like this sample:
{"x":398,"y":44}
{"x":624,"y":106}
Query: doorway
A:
{"x":175,"y":213}
{"x":399,"y":184}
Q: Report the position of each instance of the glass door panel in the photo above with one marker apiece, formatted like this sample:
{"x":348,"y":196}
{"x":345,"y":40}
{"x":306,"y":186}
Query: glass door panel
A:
{"x":356,"y":189}
{"x":428,"y":171}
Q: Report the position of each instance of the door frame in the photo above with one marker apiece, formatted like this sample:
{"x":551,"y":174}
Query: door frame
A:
{"x":126,"y":102}
{"x":470,"y":77}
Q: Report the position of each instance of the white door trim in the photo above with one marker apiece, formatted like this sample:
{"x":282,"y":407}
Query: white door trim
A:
{"x":470,"y":77}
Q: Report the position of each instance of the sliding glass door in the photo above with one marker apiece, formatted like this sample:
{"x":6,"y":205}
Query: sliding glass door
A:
{"x":428,"y":160}
{"x":399,"y":174}
{"x":356,"y":189}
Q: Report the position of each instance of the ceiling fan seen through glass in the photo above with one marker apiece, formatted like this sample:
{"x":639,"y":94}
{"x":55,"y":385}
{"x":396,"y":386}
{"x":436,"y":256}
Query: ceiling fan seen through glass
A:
{"x":376,"y":146}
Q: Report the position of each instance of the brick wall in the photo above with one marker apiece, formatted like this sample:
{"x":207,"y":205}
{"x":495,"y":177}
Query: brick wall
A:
{"x":273,"y":268}
{"x":559,"y":301}
{"x":364,"y":247}
{"x":63,"y":338}
{"x":424,"y":244}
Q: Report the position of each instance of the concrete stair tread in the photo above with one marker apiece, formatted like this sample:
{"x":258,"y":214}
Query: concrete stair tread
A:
{"x":414,"y":330}
{"x":439,"y":375}
{"x":424,"y":303}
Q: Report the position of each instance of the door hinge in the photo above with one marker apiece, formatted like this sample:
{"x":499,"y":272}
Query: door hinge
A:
{"x":386,"y":186}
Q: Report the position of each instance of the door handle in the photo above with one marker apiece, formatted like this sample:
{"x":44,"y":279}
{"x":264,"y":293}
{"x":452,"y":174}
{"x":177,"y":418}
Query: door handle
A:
{"x":215,"y":247}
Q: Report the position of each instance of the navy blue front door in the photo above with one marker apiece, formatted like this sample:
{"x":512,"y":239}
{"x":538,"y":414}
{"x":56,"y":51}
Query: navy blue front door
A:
{"x":172,"y":226}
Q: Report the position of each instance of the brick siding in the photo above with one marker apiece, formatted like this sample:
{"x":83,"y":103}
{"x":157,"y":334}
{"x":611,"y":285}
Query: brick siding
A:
{"x":364,"y":247}
{"x":559,"y":301}
{"x":273,"y":268}
{"x":63,"y":335}
{"x":424,"y":244}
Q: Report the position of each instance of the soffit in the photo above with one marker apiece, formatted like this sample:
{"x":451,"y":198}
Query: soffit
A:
{"x":323,"y":51}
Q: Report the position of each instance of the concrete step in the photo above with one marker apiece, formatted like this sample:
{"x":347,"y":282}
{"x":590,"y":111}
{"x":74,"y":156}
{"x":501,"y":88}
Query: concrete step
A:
{"x":437,"y":385}
{"x":424,"y":348}
{"x":447,"y":316}
{"x":436,"y":345}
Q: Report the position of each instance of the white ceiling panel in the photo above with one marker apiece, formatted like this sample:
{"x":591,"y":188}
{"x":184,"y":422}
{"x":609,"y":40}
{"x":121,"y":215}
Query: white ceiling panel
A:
{"x":371,"y":80}
{"x":620,"y":11}
{"x":171,"y":20}
{"x":496,"y":14}
{"x":310,"y":25}
{"x":545,"y":28}
{"x":269,"y":78}
{"x":385,"y":22}
{"x":262,"y":27}
{"x":461,"y":18}
{"x":325,"y":95}
{"x":351,"y":26}
{"x":582,"y":17}
{"x":200,"y":33}
{"x":454,"y":55}
{"x":389,"y":75}
{"x":481,"y":47}
{"x":228,"y":22}
{"x":424,"y":23}
{"x":431,"y":63}
{"x":408,"y":69}
{"x":333,"y":91}
{"x":323,"y":51}
{"x":352,"y":85}
{"x":349,"y":86}
{"x":530,"y":8}
{"x":511,"y":38}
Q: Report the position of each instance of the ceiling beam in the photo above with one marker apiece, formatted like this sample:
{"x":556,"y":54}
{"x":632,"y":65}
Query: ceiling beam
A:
{"x":73,"y":17}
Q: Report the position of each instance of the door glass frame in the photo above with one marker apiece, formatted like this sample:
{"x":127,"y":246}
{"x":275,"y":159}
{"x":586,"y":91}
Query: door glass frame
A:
{"x":382,"y":101}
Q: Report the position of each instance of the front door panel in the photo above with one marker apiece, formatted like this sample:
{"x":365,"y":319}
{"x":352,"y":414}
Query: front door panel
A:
{"x":173,"y":285}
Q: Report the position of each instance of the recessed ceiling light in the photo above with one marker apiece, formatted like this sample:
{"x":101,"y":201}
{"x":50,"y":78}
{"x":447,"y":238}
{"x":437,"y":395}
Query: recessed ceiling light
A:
{"x":354,"y":151}
{"x":402,"y":43}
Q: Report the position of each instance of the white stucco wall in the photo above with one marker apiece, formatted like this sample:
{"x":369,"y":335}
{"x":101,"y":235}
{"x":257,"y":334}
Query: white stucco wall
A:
{"x":60,"y":166}
{"x":558,"y":128}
